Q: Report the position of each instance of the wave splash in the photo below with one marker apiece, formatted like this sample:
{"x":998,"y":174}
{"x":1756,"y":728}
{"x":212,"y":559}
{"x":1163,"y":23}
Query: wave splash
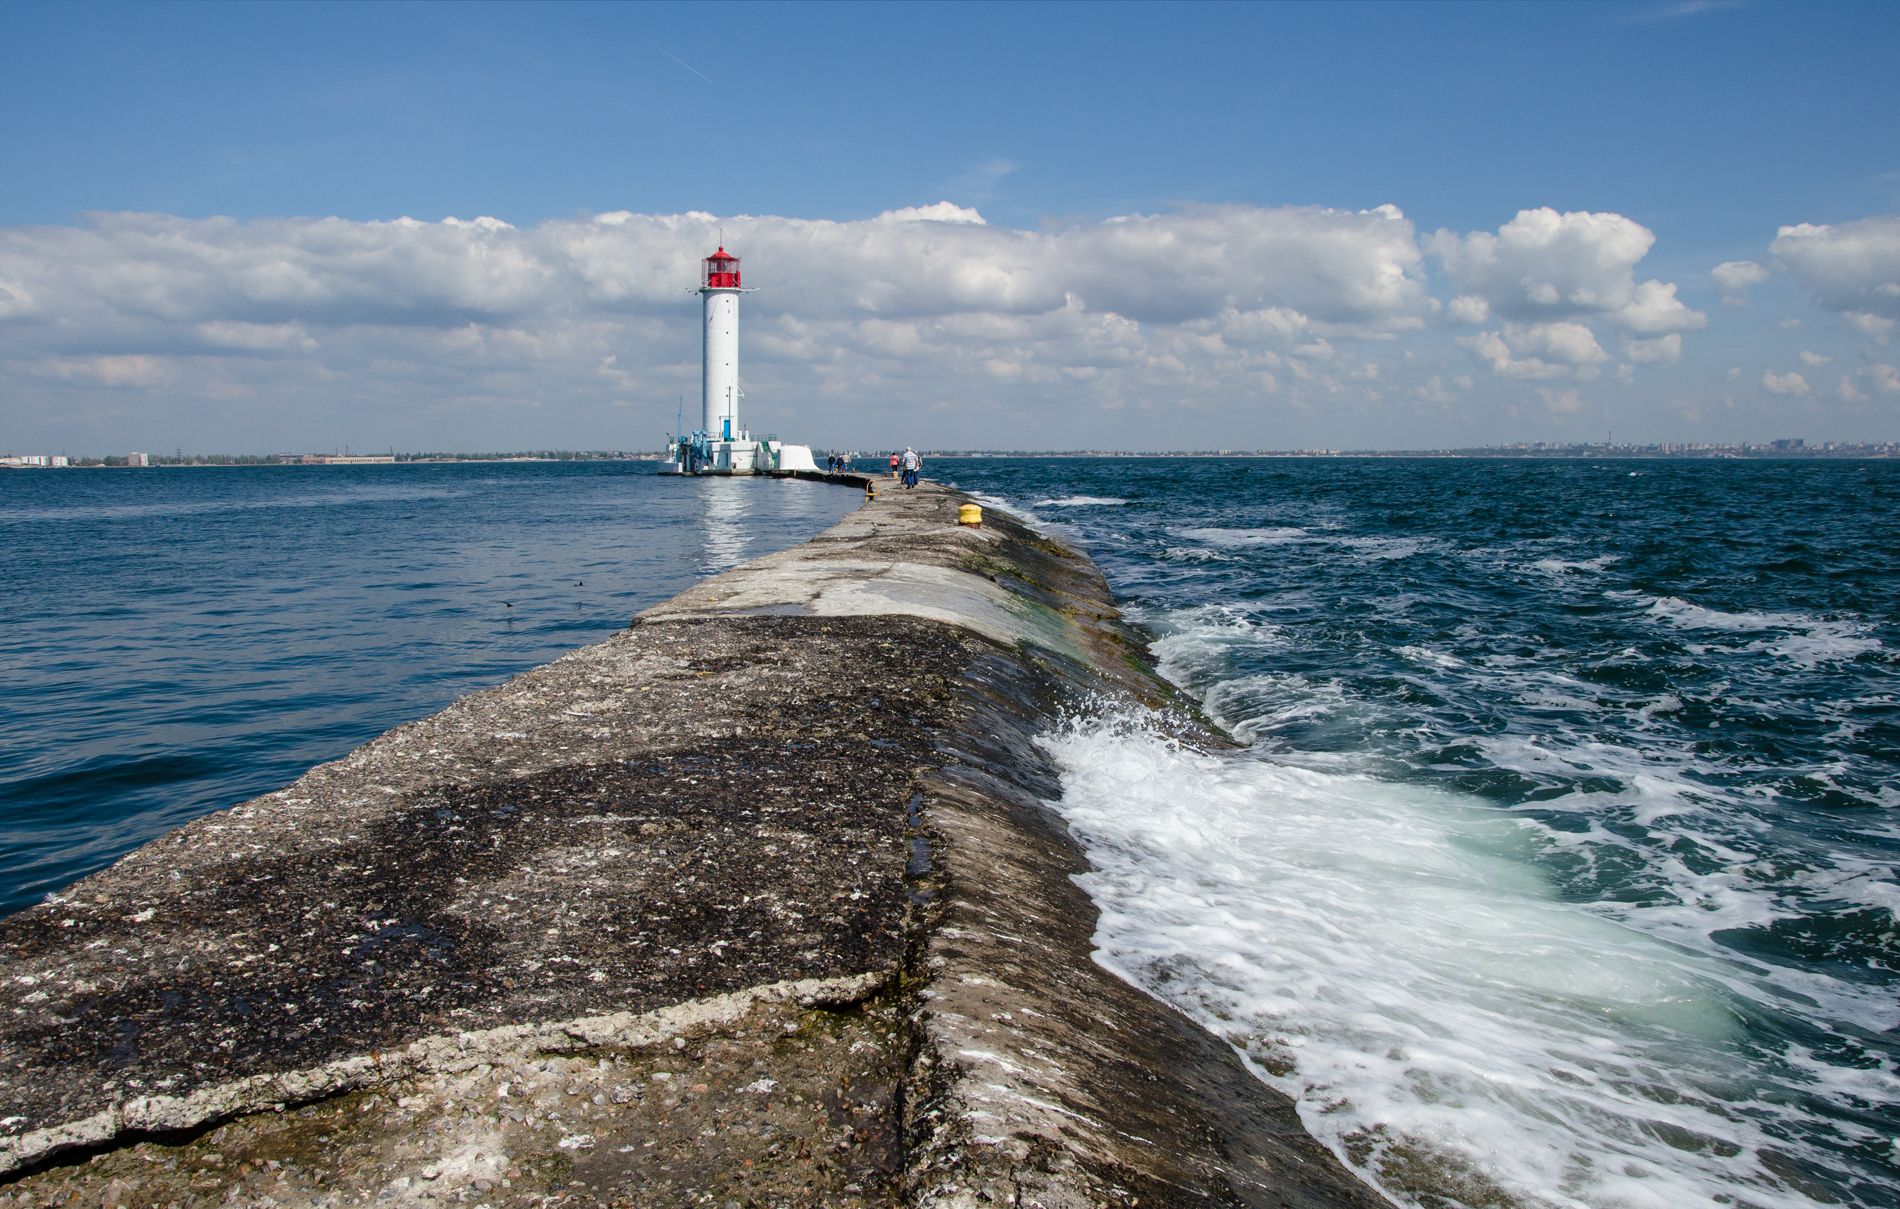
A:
{"x":1521,"y":731}
{"x":1451,"y":1027}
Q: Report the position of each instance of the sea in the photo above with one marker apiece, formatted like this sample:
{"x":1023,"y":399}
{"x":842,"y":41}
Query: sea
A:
{"x":174,"y":641}
{"x":1559,"y":865}
{"x":1554,"y":864}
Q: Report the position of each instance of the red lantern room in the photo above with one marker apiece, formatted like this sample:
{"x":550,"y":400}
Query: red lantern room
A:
{"x":719,"y":271}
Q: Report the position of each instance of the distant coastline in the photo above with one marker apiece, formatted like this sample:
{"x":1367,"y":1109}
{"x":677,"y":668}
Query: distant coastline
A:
{"x":120,"y":461}
{"x":1538,"y":449}
{"x":1788,"y":448}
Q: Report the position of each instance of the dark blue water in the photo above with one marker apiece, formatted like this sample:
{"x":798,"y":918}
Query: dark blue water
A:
{"x":176,"y":641}
{"x":1561,"y":869}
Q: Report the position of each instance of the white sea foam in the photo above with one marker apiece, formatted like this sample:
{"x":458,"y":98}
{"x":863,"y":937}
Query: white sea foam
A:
{"x":1705,"y":864}
{"x":1277,"y":536}
{"x":1445,"y":1022}
{"x":1687,"y":616}
{"x":1198,"y":641}
{"x":1431,"y":658}
{"x":1081,"y":501}
{"x":996,"y":502}
{"x":1576,"y":566}
{"x":1366,"y":548}
{"x":1826,"y":642}
{"x":1805,"y":639}
{"x":1378,"y":549}
{"x":1196,"y":554}
{"x":1581,"y":989}
{"x":1253,"y":708}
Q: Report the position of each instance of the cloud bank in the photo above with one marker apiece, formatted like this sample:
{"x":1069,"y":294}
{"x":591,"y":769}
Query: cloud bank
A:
{"x":1168,"y":328}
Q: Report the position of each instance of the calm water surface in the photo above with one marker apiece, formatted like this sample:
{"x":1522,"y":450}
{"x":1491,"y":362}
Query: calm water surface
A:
{"x":179,"y":640}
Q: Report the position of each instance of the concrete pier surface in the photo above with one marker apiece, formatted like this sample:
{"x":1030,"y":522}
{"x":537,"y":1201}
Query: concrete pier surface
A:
{"x":759,"y":902}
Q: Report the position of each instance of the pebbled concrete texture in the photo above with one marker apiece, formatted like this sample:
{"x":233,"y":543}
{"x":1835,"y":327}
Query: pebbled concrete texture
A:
{"x":784,"y":842}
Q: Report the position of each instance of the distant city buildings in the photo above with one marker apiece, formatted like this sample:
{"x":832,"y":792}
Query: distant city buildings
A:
{"x":1785,"y":447}
{"x":1780,"y":447}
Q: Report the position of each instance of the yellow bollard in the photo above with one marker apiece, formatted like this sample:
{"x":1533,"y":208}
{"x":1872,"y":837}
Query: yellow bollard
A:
{"x":970,"y":514}
{"x":870,"y":490}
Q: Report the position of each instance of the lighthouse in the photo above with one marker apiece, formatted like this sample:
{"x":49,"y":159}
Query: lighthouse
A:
{"x":722,"y":445}
{"x":719,"y":291}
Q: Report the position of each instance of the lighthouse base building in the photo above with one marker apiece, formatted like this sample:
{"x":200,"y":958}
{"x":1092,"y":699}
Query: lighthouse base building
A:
{"x":721,"y":445}
{"x":744,"y":456}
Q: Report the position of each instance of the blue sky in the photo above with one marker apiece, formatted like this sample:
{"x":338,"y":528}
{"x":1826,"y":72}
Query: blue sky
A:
{"x":1708,"y":127}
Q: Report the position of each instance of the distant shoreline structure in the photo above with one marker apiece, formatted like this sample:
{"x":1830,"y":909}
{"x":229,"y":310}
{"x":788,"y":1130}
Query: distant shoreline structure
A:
{"x":1786,"y":449}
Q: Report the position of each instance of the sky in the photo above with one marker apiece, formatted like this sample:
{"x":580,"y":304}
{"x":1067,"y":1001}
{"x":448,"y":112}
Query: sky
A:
{"x":261,"y":227}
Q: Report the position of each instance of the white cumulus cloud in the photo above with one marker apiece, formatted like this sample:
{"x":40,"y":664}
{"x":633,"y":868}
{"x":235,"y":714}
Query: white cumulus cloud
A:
{"x":1492,"y":350}
{"x":940,"y":212}
{"x":1537,"y":350}
{"x":1790,"y":383}
{"x":1660,"y":350}
{"x":1559,"y":280}
{"x":1571,"y":343}
{"x":1468,"y":308}
{"x":1869,"y":324}
{"x":1851,"y":268}
{"x":1548,"y":265}
{"x":1735,"y":276}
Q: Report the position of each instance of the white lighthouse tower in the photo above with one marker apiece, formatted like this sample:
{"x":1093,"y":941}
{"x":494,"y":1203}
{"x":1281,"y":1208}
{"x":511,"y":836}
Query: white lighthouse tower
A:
{"x":722,"y":445}
{"x":719,"y":290}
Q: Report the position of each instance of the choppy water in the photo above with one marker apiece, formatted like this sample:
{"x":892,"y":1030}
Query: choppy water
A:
{"x":176,"y":641}
{"x":1561,"y":867}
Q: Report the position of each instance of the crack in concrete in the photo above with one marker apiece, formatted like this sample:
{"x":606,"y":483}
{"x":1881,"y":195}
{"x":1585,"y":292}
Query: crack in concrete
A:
{"x":446,"y":1053}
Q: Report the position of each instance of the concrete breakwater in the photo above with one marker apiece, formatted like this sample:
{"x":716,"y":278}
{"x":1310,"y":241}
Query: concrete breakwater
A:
{"x":756,"y":902}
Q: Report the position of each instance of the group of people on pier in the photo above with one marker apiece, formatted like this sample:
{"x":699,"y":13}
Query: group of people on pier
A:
{"x":907,"y":464}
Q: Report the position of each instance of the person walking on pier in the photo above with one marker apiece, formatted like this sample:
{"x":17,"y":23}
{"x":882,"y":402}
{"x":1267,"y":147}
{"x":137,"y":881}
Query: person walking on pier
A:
{"x":911,"y":463}
{"x":895,"y":459}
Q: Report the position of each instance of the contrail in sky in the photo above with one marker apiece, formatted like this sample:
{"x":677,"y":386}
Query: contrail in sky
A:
{"x":669,"y":54}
